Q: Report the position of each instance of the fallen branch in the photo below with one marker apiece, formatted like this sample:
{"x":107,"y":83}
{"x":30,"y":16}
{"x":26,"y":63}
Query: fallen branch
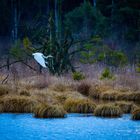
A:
{"x":4,"y":81}
{"x":21,"y":61}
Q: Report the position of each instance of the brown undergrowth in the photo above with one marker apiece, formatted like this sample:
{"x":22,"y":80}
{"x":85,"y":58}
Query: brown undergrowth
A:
{"x":37,"y":93}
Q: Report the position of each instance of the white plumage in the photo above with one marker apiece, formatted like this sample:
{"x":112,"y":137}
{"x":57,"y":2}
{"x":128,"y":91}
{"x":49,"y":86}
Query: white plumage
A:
{"x":40,"y":58}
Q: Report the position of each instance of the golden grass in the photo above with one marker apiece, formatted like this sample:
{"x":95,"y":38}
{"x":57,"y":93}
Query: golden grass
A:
{"x":126,"y":107}
{"x":61,"y":98}
{"x":79,"y":106}
{"x":107,"y":110}
{"x":60,"y":87}
{"x":24,"y":93}
{"x":109,"y":95}
{"x":17,"y":104}
{"x":47,"y":111}
{"x":136,"y":114}
{"x":4,"y":90}
{"x":95,"y":92}
{"x":83,"y":88}
{"x":134,"y":97}
{"x":122,"y":96}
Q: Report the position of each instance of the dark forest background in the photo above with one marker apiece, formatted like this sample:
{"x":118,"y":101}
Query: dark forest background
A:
{"x":106,"y":31}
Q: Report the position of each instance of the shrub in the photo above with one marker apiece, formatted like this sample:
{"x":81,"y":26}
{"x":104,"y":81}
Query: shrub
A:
{"x":83,"y":88}
{"x":78,"y":76}
{"x":106,"y":74}
{"x":136,"y":114}
{"x":107,"y":111}
{"x":47,"y":111}
{"x":3,"y":90}
{"x":17,"y":104}
{"x":138,"y":68}
{"x":126,"y":107}
{"x":79,"y":106}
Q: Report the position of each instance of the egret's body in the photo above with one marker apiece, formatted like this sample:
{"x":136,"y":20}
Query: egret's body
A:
{"x":40,"y":58}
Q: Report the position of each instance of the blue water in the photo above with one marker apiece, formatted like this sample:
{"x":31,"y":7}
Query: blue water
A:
{"x":74,"y":127}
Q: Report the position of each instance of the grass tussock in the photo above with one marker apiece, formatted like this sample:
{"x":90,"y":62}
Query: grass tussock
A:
{"x":47,"y":111}
{"x":95,"y":92}
{"x":79,"y":106}
{"x":107,"y":110}
{"x":83,"y":88}
{"x":122,"y":96}
{"x":4,"y":90}
{"x":24,"y":93}
{"x":134,"y":96}
{"x":109,"y":95}
{"x":126,"y":107}
{"x":136,"y":114}
{"x":61,"y":98}
{"x":17,"y":104}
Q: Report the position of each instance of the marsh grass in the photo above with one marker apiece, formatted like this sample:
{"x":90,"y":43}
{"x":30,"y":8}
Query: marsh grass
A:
{"x":79,"y":106}
{"x":61,"y":98}
{"x":136,"y":114}
{"x":49,"y":111}
{"x":60,"y":87}
{"x":95,"y":92}
{"x":134,"y":96}
{"x":24,"y":93}
{"x":126,"y":107}
{"x":107,"y":110}
{"x":4,"y":90}
{"x":83,"y":88}
{"x":17,"y":104}
{"x":109,"y":95}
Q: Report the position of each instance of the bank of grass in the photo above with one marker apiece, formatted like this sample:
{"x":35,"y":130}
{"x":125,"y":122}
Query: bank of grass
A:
{"x":108,"y":110}
{"x":96,"y":92}
{"x":136,"y":114}
{"x":4,"y":90}
{"x":79,"y":106}
{"x":17,"y":104}
{"x":49,"y":111}
{"x":126,"y":107}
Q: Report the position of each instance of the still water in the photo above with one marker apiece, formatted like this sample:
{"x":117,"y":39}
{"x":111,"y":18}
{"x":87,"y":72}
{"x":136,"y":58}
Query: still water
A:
{"x":73,"y":127}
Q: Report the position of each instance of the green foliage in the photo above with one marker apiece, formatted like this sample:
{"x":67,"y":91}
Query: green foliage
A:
{"x":85,"y":17}
{"x":78,"y":76}
{"x":16,"y":50}
{"x":96,"y":51}
{"x":59,"y":49}
{"x":138,"y":68}
{"x":116,"y":58}
{"x":27,"y":44}
{"x":106,"y":74}
{"x":87,"y":56}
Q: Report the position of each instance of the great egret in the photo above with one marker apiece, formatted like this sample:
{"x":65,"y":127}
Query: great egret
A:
{"x":40,"y":58}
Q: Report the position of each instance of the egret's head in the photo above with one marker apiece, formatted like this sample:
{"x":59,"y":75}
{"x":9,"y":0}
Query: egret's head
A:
{"x":33,"y":54}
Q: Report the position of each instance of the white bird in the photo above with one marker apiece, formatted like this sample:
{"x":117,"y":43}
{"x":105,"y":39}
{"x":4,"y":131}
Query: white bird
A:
{"x":40,"y":58}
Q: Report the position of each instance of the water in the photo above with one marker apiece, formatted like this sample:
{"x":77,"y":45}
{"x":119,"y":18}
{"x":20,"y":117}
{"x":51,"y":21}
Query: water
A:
{"x":74,"y":127}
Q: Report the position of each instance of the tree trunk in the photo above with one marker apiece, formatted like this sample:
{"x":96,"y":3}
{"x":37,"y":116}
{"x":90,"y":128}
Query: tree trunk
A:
{"x":56,"y":17}
{"x":59,"y":19}
{"x":48,"y":8}
{"x":94,"y":3}
{"x":85,"y":23}
{"x":16,"y":16}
